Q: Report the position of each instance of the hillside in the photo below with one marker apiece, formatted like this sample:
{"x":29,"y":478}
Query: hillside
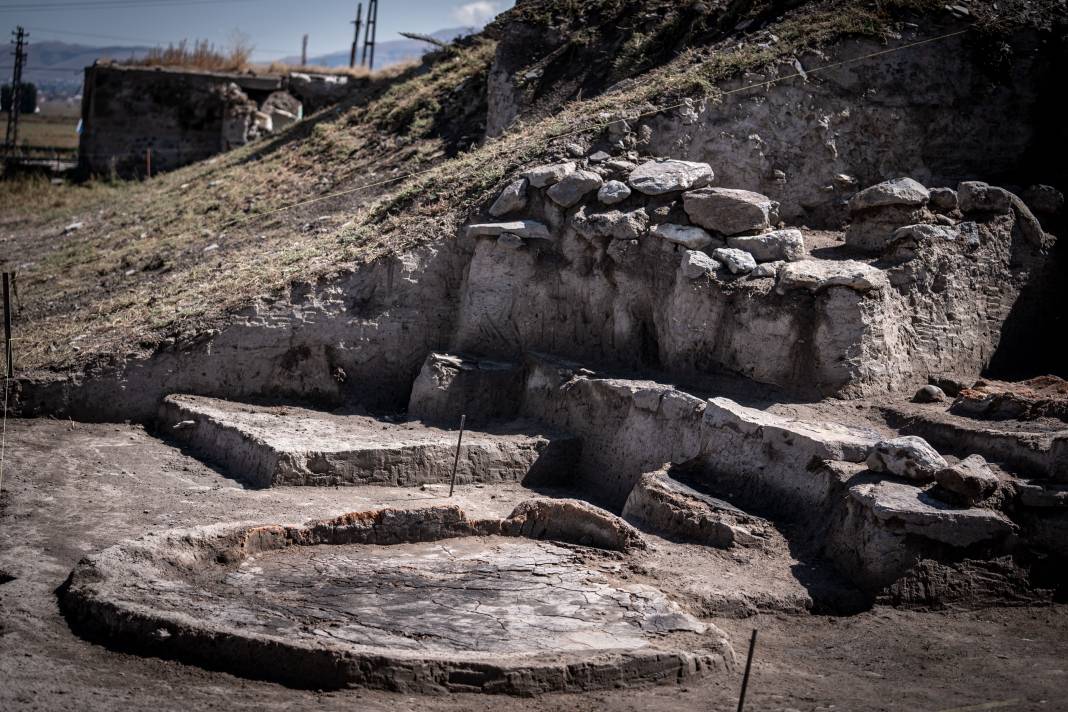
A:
{"x":110,"y":271}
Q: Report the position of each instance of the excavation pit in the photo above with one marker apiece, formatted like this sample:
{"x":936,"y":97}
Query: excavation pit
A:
{"x":455,"y":606}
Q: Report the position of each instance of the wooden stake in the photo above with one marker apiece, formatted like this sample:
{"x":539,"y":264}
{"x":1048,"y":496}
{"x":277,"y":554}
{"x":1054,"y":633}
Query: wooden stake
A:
{"x":8,"y":351}
{"x":748,"y":667}
{"x":148,"y":162}
{"x":456,"y":462}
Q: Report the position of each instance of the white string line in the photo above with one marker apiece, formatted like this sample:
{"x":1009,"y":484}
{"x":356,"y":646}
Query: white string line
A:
{"x":593,"y":127}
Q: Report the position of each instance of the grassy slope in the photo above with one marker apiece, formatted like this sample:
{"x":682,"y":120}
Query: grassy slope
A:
{"x":138,"y":272}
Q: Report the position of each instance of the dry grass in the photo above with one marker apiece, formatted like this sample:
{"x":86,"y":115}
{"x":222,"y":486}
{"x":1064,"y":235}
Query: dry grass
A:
{"x":138,"y":270}
{"x":200,"y":55}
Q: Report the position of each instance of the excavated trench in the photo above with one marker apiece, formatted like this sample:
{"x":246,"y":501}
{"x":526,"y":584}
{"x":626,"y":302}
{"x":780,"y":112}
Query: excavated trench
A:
{"x":760,"y":469}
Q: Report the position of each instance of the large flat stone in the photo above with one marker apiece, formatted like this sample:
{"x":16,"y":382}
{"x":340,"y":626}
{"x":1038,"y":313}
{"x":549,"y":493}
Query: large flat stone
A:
{"x":907,"y":508}
{"x":268,"y":446}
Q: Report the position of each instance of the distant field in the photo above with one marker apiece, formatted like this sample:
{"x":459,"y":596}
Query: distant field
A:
{"x":55,"y":126}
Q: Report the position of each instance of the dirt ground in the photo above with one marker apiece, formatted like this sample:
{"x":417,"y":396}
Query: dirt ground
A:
{"x":70,"y":489}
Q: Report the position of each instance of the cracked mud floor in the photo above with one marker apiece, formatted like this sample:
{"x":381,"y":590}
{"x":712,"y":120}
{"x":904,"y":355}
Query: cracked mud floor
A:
{"x":70,"y":489}
{"x":495,"y":595}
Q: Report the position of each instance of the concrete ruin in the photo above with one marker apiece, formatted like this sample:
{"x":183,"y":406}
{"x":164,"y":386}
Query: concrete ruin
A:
{"x":184,"y":116}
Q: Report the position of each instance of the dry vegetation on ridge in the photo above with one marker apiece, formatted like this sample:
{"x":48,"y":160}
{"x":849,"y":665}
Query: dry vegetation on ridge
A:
{"x":170,"y":257}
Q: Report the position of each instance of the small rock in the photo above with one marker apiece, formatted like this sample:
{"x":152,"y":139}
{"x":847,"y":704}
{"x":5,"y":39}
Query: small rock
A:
{"x":570,"y":189}
{"x":767,"y":269}
{"x":943,"y":199}
{"x":737,"y":261}
{"x":777,"y":245}
{"x":511,"y":199}
{"x":599,"y":157}
{"x":510,"y":240}
{"x":976,"y":196}
{"x":184,"y":425}
{"x":620,"y":165}
{"x":668,"y":175}
{"x":688,"y":236}
{"x":921,"y":232}
{"x":970,"y":478}
{"x":612,"y":223}
{"x":612,"y":192}
{"x":900,"y":191}
{"x":697,"y":264}
{"x":908,"y":456}
{"x":729,"y":211}
{"x":523,"y":228}
{"x":212,"y":247}
{"x":575,"y":150}
{"x":929,"y":394}
{"x":816,"y":275}
{"x":73,"y":227}
{"x":543,"y":176}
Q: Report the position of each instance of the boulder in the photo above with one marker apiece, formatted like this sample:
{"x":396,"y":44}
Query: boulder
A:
{"x":929,"y":394}
{"x":570,"y":189}
{"x":729,"y":211}
{"x":688,"y":236}
{"x":697,"y":264}
{"x":737,"y":261}
{"x":512,"y":199}
{"x":612,"y":192}
{"x":911,"y":510}
{"x":900,"y":191}
{"x":971,"y":479}
{"x":908,"y":456}
{"x":944,"y":200}
{"x":615,"y":224}
{"x":1044,"y":199}
{"x":777,"y":245}
{"x":529,"y":229}
{"x":816,"y":275}
{"x":543,"y":176}
{"x":669,"y":175}
{"x":978,"y":197}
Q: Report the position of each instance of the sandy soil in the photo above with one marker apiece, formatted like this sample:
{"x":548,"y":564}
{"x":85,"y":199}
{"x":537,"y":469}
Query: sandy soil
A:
{"x":70,"y":489}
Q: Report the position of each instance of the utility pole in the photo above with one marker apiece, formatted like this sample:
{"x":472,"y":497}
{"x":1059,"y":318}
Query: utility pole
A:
{"x":304,"y":52}
{"x":356,"y":38}
{"x":369,"y":33}
{"x":12,"y":138}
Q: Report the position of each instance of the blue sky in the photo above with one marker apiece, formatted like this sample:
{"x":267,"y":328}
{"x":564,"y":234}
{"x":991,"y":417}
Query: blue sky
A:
{"x":273,"y":26}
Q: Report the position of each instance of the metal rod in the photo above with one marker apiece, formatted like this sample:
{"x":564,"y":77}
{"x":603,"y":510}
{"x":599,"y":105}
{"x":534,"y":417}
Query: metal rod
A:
{"x":456,"y":462}
{"x":748,"y":667}
{"x":8,"y":357}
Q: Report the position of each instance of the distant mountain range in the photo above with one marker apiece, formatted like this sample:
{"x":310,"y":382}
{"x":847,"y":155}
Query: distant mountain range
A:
{"x":387,"y":53}
{"x":56,"y":67}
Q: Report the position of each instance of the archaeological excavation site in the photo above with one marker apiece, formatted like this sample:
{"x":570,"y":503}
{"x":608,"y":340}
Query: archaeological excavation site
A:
{"x":622,"y":355}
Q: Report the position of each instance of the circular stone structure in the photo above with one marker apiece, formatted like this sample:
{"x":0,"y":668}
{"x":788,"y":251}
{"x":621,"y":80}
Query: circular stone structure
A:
{"x":406,"y":600}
